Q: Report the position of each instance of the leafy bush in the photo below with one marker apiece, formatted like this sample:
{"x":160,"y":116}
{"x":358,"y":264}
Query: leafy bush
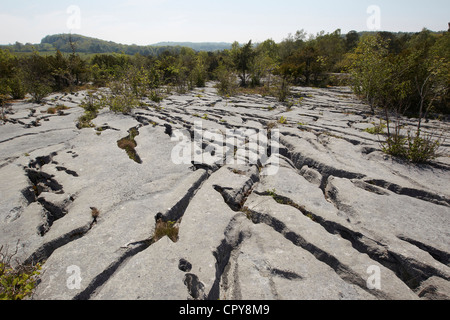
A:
{"x":16,"y":283}
{"x":377,"y":128}
{"x":227,"y":84}
{"x":414,"y":147}
{"x":39,"y":91}
{"x":423,"y":149}
{"x":17,"y":86}
{"x":91,"y":105}
{"x":282,"y":89}
{"x":122,"y":103}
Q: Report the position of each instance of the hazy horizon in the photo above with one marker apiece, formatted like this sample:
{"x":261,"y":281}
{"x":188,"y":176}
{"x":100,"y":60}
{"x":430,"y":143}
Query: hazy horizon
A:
{"x":148,"y":22}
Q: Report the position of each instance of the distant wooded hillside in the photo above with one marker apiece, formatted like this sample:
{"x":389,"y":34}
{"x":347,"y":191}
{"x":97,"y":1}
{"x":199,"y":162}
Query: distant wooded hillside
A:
{"x":66,"y":43}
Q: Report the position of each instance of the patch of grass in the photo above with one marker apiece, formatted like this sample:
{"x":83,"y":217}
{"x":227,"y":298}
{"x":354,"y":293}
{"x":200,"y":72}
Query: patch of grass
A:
{"x":129,"y":145}
{"x":85,"y":121}
{"x":95,"y":213}
{"x":271,"y":125}
{"x":289,"y":105}
{"x":377,"y":128}
{"x":287,"y":202}
{"x":168,"y":229}
{"x":238,"y":172}
{"x":54,"y":110}
{"x":248,"y":213}
{"x":261,"y":90}
{"x":282,"y":120}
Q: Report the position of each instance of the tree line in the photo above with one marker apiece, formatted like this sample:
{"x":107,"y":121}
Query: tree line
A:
{"x":399,"y":74}
{"x":402,"y":71}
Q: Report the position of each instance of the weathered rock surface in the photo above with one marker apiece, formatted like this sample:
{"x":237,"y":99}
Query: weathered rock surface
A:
{"x":321,"y":213}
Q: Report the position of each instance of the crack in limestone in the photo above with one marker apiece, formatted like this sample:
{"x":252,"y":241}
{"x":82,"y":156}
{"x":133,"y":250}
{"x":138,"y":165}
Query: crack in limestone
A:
{"x":439,"y":255}
{"x":410,"y":271}
{"x":47,"y":249}
{"x":234,"y":237}
{"x":129,"y":145}
{"x":98,"y":282}
{"x":411,"y":192}
{"x":132,"y":249}
{"x":327,"y":171}
{"x":342,"y":270}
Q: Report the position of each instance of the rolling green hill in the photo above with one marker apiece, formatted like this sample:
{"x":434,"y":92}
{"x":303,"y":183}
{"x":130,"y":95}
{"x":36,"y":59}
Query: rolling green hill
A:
{"x":88,"y":45}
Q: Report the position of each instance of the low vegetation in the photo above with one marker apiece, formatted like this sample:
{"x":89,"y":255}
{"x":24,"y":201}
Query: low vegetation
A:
{"x":129,"y":145}
{"x":398,"y":74}
{"x":168,"y":229}
{"x":404,"y":76}
{"x":16,"y":282}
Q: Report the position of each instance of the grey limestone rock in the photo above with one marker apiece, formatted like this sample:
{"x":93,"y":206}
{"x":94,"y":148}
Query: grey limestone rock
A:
{"x":320,"y":213}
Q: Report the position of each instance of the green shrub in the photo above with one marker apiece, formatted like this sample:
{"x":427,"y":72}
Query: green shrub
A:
{"x":416,"y":148}
{"x":423,"y":149}
{"x":18,"y":89}
{"x":227,"y":84}
{"x":16,"y":283}
{"x":39,"y":91}
{"x":122,"y":103}
{"x":377,"y":128}
{"x":91,"y":105}
{"x":282,"y":89}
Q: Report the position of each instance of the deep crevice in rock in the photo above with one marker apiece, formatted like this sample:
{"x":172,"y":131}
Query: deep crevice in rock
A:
{"x":439,"y":255}
{"x":410,"y":271}
{"x":410,"y":192}
{"x":342,"y":270}
{"x":104,"y":276}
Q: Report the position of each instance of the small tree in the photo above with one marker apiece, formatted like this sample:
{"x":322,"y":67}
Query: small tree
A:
{"x":397,"y":83}
{"x":370,"y":69}
{"x":243,"y":58}
{"x":37,"y":76}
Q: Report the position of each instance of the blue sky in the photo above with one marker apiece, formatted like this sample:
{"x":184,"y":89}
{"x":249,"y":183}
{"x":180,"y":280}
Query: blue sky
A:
{"x":146,"y":22}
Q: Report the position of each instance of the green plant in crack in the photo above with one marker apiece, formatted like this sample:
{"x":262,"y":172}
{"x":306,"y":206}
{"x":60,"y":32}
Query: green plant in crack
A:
{"x":282,"y":120}
{"x":377,"y":128}
{"x":129,"y":144}
{"x":248,"y":213}
{"x":288,"y":202}
{"x":166,"y":228}
{"x":91,"y":105}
